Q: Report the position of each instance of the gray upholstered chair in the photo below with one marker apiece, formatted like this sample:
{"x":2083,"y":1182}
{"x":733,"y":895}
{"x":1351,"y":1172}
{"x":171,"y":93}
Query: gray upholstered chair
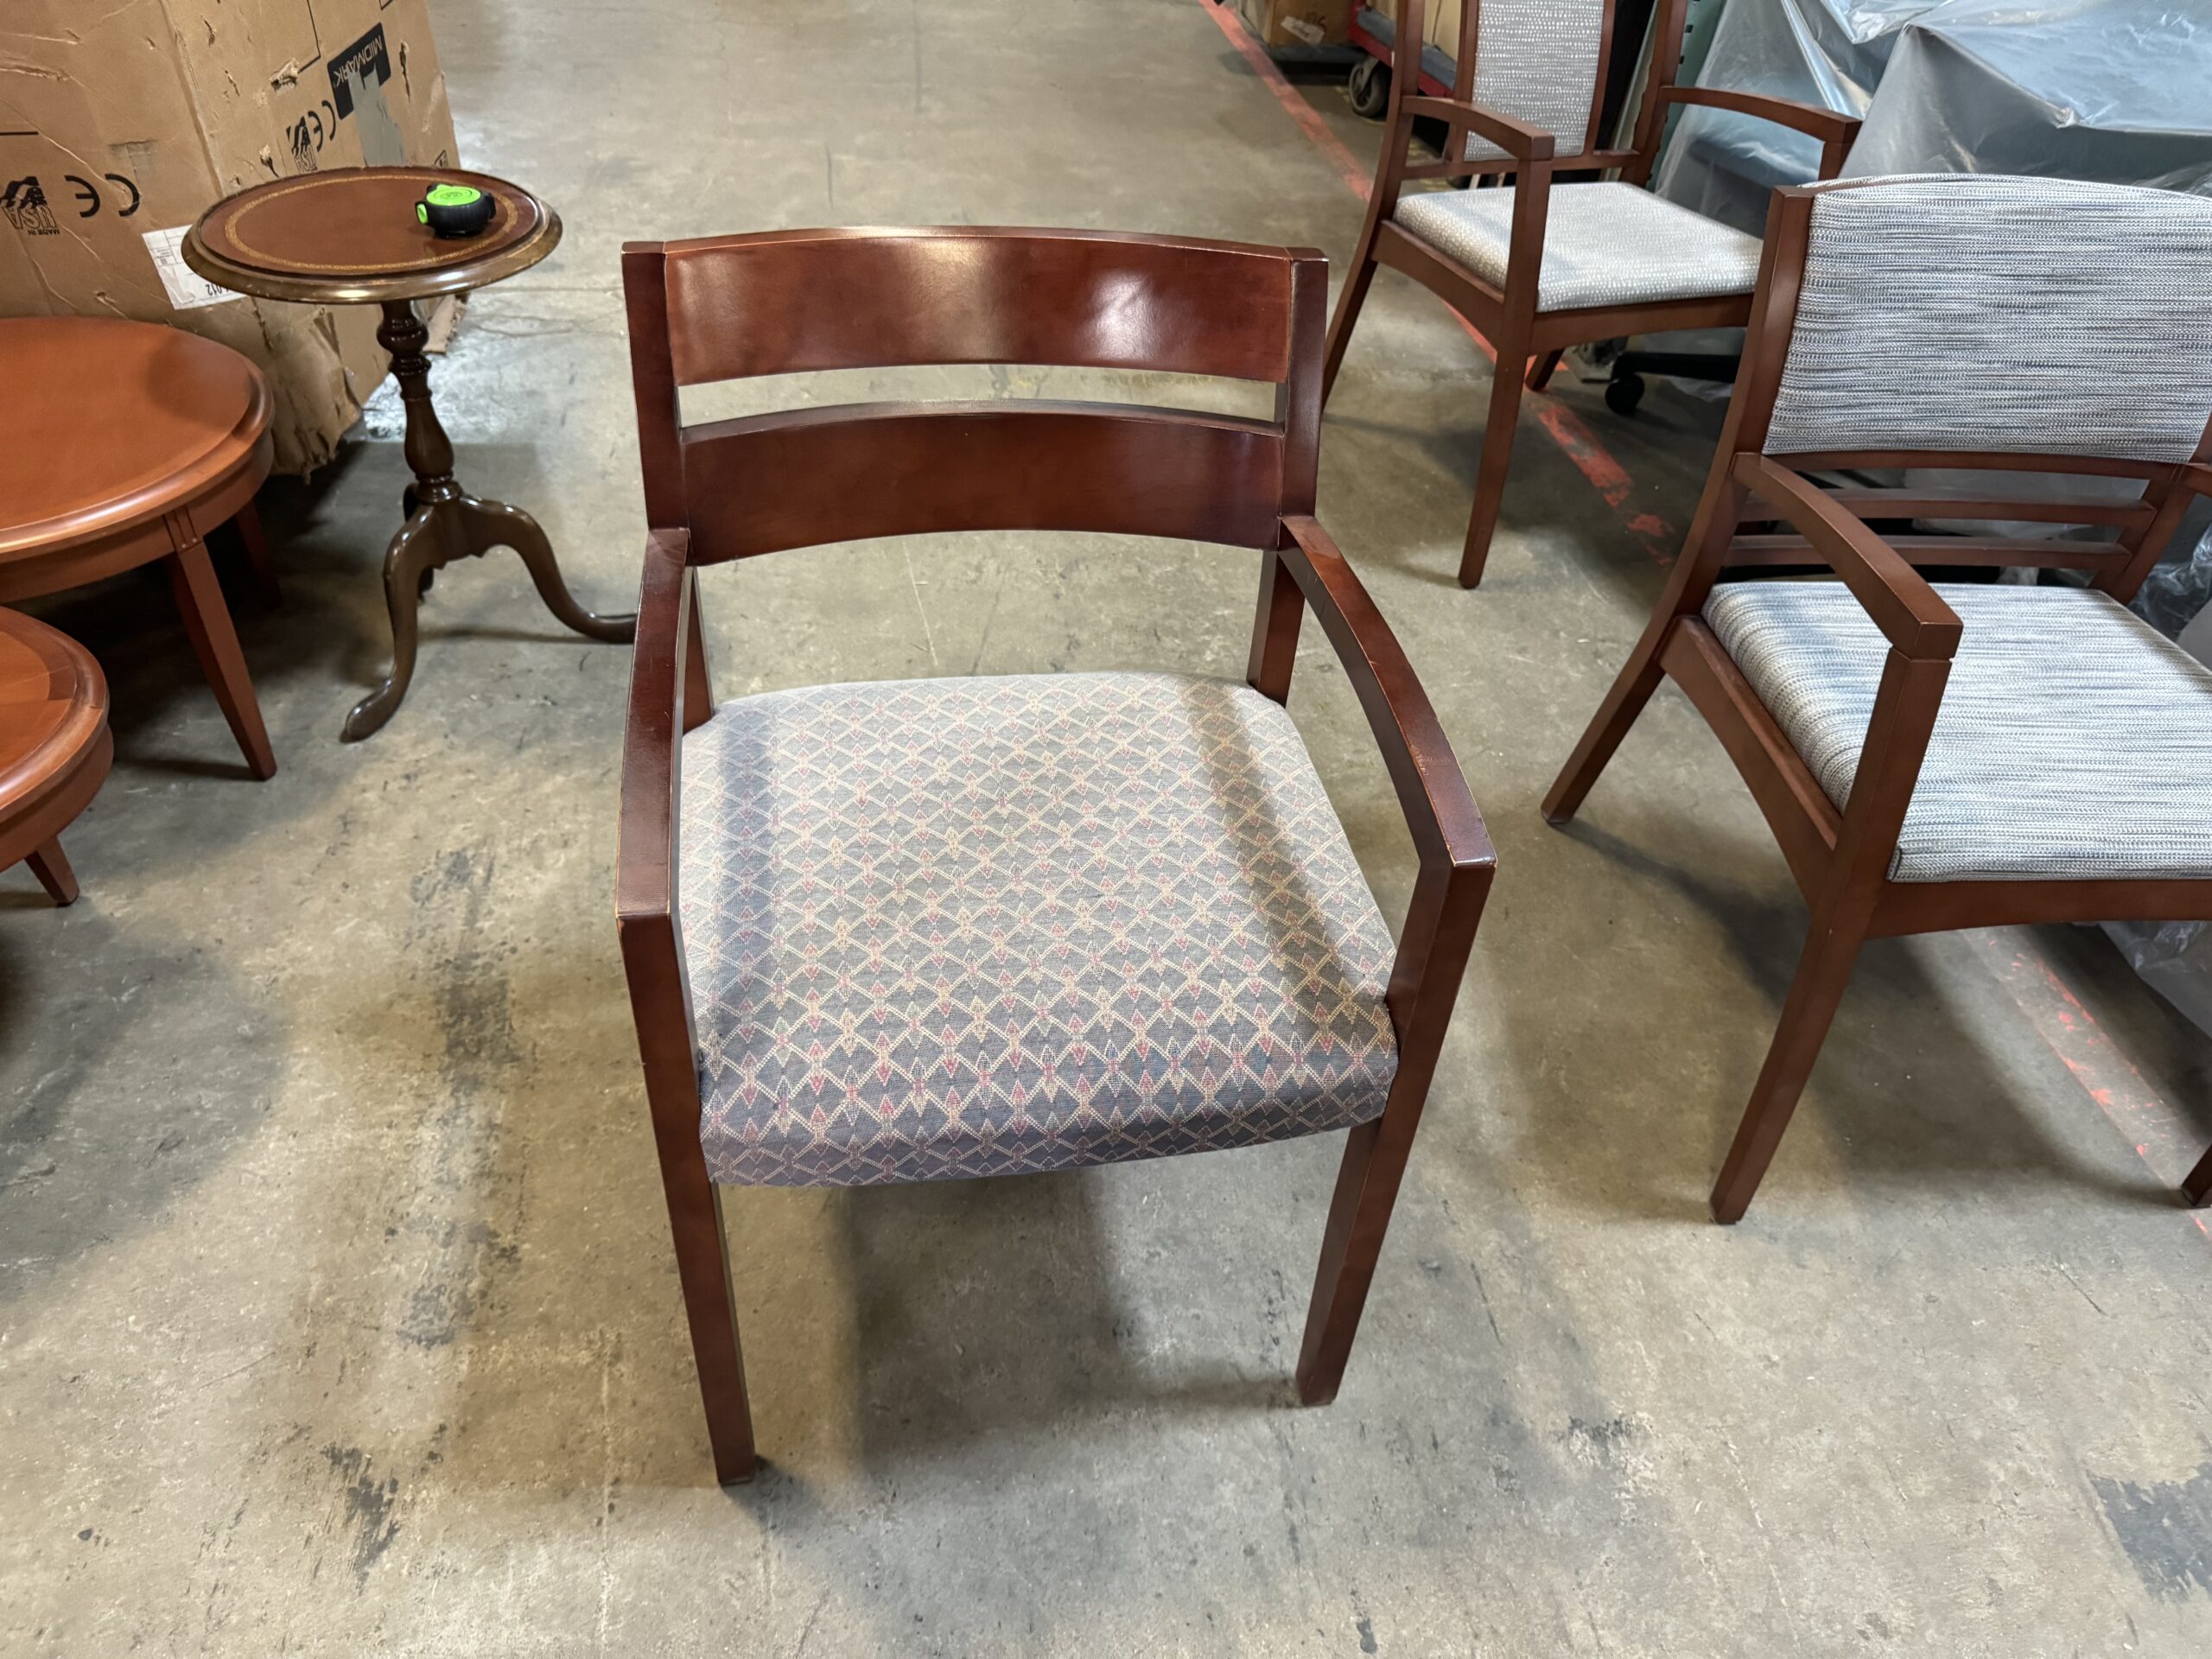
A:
{"x":1537,"y":265}
{"x":921,"y":930}
{"x":1961,"y":755}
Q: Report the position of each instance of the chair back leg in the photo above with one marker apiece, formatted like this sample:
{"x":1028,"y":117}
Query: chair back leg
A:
{"x":1358,"y":276}
{"x":1541,"y":367}
{"x":1823,"y":970}
{"x":2199,"y":1187}
{"x":1497,"y":453}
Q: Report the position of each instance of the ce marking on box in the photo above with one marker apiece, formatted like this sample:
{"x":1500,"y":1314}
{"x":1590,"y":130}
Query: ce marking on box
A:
{"x":88,"y":193}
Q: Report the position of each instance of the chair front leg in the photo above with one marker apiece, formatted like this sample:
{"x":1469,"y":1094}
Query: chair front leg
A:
{"x":1439,"y":933}
{"x":1823,"y":970}
{"x":695,"y":1215}
{"x":652,"y":962}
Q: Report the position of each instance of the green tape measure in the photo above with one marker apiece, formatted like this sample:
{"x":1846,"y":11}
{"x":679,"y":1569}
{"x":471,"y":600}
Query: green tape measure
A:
{"x":455,"y":209}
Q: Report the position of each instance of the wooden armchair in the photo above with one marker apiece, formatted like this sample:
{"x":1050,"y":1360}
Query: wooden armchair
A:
{"x":1966,"y":755}
{"x":1538,"y":266}
{"x":960,"y":927}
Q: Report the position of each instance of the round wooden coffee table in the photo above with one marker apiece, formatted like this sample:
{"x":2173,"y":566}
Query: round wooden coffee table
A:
{"x":350,"y":236}
{"x":124,"y":442}
{"x":55,"y":746}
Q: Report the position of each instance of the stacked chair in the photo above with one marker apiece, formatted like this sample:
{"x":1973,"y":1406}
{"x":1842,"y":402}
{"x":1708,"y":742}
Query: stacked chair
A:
{"x":1543,"y":263}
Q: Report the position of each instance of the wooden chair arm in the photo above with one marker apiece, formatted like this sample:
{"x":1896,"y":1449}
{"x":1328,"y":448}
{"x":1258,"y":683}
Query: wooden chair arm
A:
{"x":2196,"y":479}
{"x":1910,"y":612}
{"x":1836,"y":132}
{"x":652,"y":738}
{"x":1517,"y":138}
{"x":1448,"y":827}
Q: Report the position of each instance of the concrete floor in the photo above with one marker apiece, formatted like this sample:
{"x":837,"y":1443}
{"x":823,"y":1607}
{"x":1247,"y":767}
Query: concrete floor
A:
{"x":337,"y":1310}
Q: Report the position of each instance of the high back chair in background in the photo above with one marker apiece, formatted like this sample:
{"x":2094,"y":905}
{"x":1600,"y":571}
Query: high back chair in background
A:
{"x":922,"y":929}
{"x":1538,"y":266}
{"x":1966,"y":755}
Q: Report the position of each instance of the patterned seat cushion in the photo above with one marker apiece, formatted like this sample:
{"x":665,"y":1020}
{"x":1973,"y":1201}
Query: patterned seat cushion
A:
{"x":1607,"y":243}
{"x":960,"y":927}
{"x":2074,"y":741}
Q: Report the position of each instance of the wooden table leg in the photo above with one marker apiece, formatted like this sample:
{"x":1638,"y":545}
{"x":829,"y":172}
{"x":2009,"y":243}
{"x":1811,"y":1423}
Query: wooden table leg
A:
{"x":53,"y":871}
{"x":247,"y":522}
{"x":423,"y":544}
{"x":446,"y":523}
{"x":208,"y":620}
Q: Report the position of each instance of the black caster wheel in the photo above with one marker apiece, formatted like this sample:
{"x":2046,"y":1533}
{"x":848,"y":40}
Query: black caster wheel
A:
{"x":1625,"y":393}
{"x":1370,"y":88}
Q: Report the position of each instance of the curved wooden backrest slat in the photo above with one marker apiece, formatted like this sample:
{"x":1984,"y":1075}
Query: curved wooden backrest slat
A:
{"x":797,"y":479}
{"x":792,"y":300}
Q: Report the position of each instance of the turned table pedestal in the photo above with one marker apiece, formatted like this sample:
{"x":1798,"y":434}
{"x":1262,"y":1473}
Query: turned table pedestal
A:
{"x":350,"y":237}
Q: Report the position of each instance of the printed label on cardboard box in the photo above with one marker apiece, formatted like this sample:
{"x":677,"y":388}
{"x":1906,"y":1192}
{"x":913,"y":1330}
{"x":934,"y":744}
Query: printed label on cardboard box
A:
{"x":187,"y":289}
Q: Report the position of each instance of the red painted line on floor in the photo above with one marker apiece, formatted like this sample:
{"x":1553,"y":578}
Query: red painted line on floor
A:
{"x":2161,"y":1137}
{"x":1565,"y":428}
{"x":1308,"y":118}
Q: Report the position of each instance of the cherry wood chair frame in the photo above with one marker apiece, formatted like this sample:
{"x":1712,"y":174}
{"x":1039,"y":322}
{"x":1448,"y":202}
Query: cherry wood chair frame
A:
{"x":1506,"y":317}
{"x":1841,"y":859}
{"x":787,"y":301}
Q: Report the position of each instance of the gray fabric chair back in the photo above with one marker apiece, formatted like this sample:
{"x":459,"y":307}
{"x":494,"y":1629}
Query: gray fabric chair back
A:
{"x":1536,"y":60}
{"x":1972,"y":312}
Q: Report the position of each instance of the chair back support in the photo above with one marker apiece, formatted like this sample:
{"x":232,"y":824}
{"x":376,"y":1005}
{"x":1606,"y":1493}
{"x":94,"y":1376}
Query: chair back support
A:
{"x":1985,"y":315}
{"x":1541,"y":61}
{"x":787,"y":301}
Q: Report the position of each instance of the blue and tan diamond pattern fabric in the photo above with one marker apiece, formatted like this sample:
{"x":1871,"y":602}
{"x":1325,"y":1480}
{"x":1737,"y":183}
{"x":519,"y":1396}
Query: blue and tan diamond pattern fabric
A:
{"x":2074,"y":741}
{"x":962,"y":927}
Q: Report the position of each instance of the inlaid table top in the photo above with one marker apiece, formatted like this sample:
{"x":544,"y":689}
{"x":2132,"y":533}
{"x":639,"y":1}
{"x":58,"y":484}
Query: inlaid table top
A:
{"x":350,"y":236}
{"x":53,"y":711}
{"x":106,"y":424}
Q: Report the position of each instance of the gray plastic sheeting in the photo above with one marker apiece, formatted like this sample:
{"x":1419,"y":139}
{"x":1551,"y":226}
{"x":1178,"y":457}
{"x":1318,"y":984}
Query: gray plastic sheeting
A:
{"x":2118,"y":91}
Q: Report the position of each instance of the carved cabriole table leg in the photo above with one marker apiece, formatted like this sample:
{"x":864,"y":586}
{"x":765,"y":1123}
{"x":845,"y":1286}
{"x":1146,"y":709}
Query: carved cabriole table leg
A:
{"x":446,"y":523}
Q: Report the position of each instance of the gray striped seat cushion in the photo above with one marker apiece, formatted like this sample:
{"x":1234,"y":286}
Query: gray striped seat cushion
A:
{"x":960,"y":927}
{"x":1976,"y":312}
{"x":1607,"y":243}
{"x":2074,"y":741}
{"x":1536,"y":60}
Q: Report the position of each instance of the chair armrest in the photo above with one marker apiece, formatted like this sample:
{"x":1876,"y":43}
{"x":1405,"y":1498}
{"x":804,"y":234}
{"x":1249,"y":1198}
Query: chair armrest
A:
{"x":1447,"y":827}
{"x":1910,"y":612}
{"x":1517,"y":138}
{"x":1836,"y":132}
{"x":652,"y":738}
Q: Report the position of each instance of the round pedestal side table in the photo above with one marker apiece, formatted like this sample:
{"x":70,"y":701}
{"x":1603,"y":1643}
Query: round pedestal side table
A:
{"x":55,"y":746}
{"x":350,"y":236}
{"x":126,"y":442}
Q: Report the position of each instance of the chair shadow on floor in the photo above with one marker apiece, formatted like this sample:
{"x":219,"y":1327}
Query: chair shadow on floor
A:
{"x":1905,"y":1102}
{"x":978,"y":1311}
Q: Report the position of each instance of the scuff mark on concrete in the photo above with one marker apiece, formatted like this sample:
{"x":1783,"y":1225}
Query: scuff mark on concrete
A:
{"x":2165,"y":1528}
{"x":368,"y":1505}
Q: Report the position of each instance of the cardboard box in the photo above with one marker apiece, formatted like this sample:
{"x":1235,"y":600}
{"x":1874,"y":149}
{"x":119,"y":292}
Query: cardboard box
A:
{"x":1297,"y":22}
{"x":121,"y":123}
{"x":1440,"y":28}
